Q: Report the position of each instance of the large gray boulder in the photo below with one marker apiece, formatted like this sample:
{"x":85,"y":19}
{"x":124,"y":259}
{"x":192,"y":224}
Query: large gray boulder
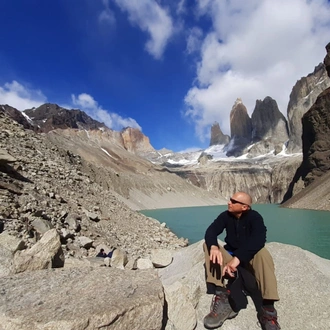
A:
{"x":46,"y":253}
{"x":303,"y":283}
{"x":8,"y":246}
{"x":5,"y":157}
{"x":81,"y":298}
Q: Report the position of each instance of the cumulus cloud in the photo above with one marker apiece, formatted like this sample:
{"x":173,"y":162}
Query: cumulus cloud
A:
{"x":150,"y":17}
{"x":20,"y":97}
{"x":255,"y":49}
{"x":88,"y":104}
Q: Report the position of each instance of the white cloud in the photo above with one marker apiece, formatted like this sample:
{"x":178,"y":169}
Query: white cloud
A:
{"x":20,"y":97}
{"x":255,"y":49}
{"x":181,"y":7}
{"x":87,"y":103}
{"x":150,"y":17}
{"x":194,"y":40}
{"x":107,"y":15}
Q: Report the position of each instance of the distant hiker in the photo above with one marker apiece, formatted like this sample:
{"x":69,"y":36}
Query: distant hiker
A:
{"x":101,"y":254}
{"x":243,"y":255}
{"x":111,"y":252}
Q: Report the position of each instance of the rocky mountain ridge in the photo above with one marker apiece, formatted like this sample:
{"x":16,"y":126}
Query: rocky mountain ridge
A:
{"x":43,"y":186}
{"x":267,"y":125}
{"x":115,"y":153}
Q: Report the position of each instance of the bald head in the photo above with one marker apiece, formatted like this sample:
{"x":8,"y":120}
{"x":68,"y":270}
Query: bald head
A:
{"x":243,"y":197}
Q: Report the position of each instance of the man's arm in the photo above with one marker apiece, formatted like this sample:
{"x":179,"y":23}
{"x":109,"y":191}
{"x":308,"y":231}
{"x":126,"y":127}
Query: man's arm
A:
{"x":211,"y":238}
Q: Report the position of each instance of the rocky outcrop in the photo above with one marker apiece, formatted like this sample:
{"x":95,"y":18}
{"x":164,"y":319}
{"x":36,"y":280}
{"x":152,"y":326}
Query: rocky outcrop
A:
{"x":51,"y":116}
{"x":46,"y":253}
{"x":18,"y":116}
{"x":302,"y":97}
{"x":135,"y":141}
{"x":327,"y":59}
{"x":315,"y":196}
{"x":316,"y":143}
{"x":188,"y":303}
{"x":240,"y":129}
{"x":217,"y":137}
{"x":172,"y":298}
{"x":82,"y":298}
{"x":314,"y":170}
{"x":5,"y":157}
{"x":268,"y":122}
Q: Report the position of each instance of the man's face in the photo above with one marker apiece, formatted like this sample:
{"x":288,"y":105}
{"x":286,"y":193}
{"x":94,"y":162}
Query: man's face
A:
{"x":237,"y":204}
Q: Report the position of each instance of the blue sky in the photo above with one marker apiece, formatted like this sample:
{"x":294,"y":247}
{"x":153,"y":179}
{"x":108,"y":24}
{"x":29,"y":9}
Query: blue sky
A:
{"x":168,"y":67}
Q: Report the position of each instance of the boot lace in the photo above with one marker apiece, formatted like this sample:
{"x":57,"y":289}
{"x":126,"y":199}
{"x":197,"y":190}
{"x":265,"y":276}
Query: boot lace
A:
{"x":216,"y":302}
{"x":267,"y":318}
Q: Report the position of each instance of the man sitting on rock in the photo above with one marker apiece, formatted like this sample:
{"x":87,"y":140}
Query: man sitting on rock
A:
{"x":245,"y":240}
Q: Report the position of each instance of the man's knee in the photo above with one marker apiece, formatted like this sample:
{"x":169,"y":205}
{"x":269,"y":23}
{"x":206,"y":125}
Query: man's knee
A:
{"x":263,"y":255}
{"x":262,"y":260}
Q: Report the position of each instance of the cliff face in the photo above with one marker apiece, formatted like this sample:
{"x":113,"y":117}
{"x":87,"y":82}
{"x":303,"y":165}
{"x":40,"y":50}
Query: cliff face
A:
{"x":316,"y":143}
{"x":240,"y":129}
{"x":302,"y":97}
{"x":217,"y":137}
{"x":240,"y":122}
{"x":135,"y":141}
{"x":268,"y":121}
{"x":266,"y":181}
{"x":316,"y":132}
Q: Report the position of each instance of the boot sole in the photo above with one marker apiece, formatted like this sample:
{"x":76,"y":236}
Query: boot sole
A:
{"x":220,"y":325}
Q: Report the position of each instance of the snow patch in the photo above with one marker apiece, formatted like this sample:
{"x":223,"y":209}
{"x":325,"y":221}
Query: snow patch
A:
{"x":27,"y":117}
{"x":107,"y":153}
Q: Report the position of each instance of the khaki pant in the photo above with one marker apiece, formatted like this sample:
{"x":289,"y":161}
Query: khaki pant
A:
{"x":262,"y":266}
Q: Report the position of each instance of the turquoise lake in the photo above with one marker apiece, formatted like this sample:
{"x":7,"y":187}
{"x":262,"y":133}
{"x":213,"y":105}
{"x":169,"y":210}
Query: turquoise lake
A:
{"x":307,"y":229}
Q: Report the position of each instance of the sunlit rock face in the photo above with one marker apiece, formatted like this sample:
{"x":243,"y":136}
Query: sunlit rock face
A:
{"x":268,"y":121}
{"x":302,"y":97}
{"x":240,"y":129}
{"x":217,"y":137}
{"x":135,"y":141}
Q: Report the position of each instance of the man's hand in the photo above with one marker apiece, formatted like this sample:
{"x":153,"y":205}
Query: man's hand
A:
{"x":216,"y":255}
{"x":231,"y":267}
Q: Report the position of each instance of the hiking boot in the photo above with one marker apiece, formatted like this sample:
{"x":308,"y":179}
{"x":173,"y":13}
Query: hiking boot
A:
{"x":268,"y":319}
{"x":220,"y":311}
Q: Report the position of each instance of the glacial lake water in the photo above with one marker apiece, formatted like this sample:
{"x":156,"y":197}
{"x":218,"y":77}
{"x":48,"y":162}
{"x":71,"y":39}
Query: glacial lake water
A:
{"x":307,"y":229}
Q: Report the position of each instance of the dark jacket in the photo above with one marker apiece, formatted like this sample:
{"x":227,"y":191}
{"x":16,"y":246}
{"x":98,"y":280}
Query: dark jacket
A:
{"x":244,"y":236}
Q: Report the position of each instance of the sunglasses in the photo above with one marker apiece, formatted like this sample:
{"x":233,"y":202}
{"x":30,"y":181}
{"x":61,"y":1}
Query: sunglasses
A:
{"x":234,"y":201}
